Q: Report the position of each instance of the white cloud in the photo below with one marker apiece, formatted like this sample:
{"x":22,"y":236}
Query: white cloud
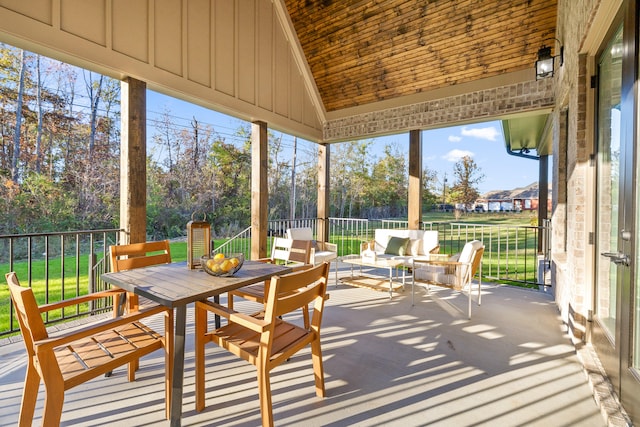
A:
{"x":453,"y":138}
{"x":489,"y":133}
{"x":455,"y":155}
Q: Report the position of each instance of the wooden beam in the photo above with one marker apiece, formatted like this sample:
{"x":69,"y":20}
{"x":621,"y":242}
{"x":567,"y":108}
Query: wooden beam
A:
{"x":322,"y":233}
{"x":133,"y":161}
{"x":259,"y":189}
{"x":415,"y":180}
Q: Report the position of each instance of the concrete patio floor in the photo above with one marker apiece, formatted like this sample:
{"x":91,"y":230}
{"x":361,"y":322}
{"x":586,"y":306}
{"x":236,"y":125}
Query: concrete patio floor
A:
{"x":386,"y":363}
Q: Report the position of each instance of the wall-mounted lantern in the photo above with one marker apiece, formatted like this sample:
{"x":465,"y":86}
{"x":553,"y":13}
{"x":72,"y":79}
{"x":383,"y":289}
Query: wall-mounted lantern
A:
{"x":545,"y":63}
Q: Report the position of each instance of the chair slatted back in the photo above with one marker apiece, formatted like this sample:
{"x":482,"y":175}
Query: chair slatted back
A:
{"x":300,"y":251}
{"x":281,"y":250}
{"x":297,"y":290}
{"x":138,"y":255}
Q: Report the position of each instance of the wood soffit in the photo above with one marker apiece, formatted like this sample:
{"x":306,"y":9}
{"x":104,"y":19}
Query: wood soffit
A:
{"x":366,"y":51}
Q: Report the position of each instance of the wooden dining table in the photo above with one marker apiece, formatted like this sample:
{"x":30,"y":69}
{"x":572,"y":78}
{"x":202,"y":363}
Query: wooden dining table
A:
{"x":175,"y":286}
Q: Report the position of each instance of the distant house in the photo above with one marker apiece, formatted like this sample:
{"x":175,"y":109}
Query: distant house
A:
{"x":517,"y":200}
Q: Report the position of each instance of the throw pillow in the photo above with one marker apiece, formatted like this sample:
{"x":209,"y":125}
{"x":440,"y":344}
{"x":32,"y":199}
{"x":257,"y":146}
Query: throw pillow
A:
{"x":397,"y":246}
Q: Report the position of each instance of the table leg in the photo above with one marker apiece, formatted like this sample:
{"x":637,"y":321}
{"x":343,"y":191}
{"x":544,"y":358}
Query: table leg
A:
{"x":216,"y":299}
{"x":178,"y":366}
{"x":390,"y":282}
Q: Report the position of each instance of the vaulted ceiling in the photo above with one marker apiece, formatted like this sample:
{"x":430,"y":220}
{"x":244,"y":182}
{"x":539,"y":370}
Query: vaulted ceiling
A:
{"x":364,"y":51}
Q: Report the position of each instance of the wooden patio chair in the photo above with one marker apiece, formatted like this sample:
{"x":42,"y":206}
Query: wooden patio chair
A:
{"x":456,"y":273}
{"x":284,"y":251}
{"x":69,"y":359}
{"x":264,"y":339}
{"x":138,"y":255}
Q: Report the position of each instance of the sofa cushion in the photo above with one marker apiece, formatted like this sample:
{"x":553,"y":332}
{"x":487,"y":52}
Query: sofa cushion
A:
{"x":415,"y":247}
{"x":429,"y":239}
{"x":397,"y":246}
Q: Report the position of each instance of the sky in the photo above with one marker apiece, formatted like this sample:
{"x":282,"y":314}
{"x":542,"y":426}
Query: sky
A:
{"x":442,"y":148}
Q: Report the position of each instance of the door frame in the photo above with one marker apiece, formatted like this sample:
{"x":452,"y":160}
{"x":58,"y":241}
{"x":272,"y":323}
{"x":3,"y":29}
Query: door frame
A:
{"x":629,"y":378}
{"x":615,"y":352}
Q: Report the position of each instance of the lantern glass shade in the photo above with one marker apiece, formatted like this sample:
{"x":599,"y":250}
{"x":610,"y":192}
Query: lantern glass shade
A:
{"x":544,"y":64}
{"x":198,"y":242}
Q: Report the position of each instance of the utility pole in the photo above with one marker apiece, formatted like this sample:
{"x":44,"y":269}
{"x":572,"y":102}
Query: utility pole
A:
{"x":444,"y":189}
{"x":293,"y":179}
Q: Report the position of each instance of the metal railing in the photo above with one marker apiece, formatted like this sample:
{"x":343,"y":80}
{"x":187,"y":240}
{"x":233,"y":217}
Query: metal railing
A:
{"x":511,"y":251}
{"x":64,"y":265}
{"x":57,"y":266}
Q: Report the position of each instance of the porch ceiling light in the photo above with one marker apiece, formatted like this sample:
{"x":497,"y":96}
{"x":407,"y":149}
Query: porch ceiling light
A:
{"x":545,"y":63}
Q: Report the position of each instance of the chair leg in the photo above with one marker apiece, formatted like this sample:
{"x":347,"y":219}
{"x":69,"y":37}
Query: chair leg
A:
{"x":29,"y":396}
{"x":131,"y":370}
{"x":264,"y":390}
{"x":133,"y":305}
{"x":318,"y":370}
{"x":201,"y":330}
{"x":53,"y":397}
{"x":305,"y":317}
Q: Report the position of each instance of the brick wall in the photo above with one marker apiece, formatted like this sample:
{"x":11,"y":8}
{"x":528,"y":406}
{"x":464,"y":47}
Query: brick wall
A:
{"x":571,"y":262}
{"x":481,"y":105}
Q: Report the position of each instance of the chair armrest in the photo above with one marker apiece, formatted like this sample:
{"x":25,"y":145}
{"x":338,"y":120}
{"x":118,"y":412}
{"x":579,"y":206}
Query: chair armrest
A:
{"x":52,"y":342}
{"x":81,"y":299}
{"x":435,"y":250}
{"x":241,"y":319}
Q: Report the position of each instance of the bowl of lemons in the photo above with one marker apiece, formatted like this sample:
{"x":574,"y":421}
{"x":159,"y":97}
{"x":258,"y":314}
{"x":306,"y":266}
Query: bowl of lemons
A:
{"x":221,"y":264}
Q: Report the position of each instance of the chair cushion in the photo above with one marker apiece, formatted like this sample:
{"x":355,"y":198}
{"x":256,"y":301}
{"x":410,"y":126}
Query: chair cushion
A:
{"x":397,"y":246}
{"x":323,"y":256}
{"x":468,"y":250}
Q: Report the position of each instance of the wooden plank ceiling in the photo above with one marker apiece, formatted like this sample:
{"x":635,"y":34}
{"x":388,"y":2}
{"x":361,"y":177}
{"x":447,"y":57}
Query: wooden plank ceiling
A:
{"x":364,"y":51}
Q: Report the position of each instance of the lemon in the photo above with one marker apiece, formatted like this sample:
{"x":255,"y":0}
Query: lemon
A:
{"x":226,"y":266}
{"x":218,"y":257}
{"x":234,"y":262}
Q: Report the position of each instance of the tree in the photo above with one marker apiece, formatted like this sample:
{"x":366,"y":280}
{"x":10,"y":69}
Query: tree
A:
{"x":231,"y":183}
{"x":350,"y":177}
{"x":388,"y":189}
{"x":16,"y":136}
{"x":467,"y":176}
{"x":429,"y":188}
